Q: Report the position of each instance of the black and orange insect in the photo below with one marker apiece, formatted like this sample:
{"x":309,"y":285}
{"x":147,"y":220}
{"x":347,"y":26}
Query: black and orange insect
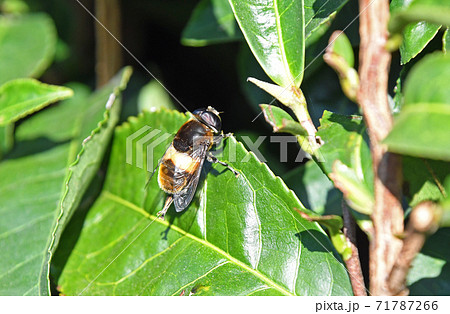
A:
{"x":181,"y":165}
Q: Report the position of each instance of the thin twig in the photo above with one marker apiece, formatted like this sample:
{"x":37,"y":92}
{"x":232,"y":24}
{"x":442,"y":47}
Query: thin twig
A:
{"x":353,"y":263}
{"x":387,"y":216}
{"x":109,"y":53}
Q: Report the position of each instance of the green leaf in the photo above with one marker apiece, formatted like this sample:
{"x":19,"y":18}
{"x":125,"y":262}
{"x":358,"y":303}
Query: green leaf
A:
{"x":428,"y":80}
{"x":423,"y":179}
{"x":153,"y":96}
{"x":275,"y":32}
{"x":6,"y":139}
{"x":27,"y":45}
{"x":239,"y":236}
{"x":14,"y":6}
{"x":339,"y":56}
{"x":416,"y":36}
{"x":357,"y":194}
{"x":334,"y":225}
{"x":64,"y":118}
{"x":430,"y":271}
{"x":342,"y":47}
{"x":212,"y":22}
{"x":40,"y":192}
{"x":21,"y":97}
{"x":281,"y":121}
{"x":446,"y":41}
{"x":31,"y":188}
{"x":344,"y":140}
{"x":421,"y":128}
{"x":433,"y":11}
{"x":345,"y":144}
{"x":318,"y":13}
{"x":314,"y":188}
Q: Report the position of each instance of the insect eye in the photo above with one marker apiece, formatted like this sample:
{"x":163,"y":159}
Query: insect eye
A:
{"x":211,"y":120}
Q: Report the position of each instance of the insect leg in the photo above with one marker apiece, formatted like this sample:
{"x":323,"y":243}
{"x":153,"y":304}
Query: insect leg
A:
{"x":211,"y":158}
{"x":167,"y":204}
{"x":220,"y":137}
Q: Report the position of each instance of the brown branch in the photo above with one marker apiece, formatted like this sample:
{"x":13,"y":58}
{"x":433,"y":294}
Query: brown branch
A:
{"x":423,"y":221}
{"x":353,"y":263}
{"x":108,"y":51}
{"x":387,"y":216}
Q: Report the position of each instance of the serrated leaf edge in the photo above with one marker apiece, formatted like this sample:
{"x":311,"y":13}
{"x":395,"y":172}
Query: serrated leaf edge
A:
{"x":116,"y":91}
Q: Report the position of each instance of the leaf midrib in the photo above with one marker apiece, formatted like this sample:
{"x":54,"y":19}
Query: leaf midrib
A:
{"x":141,"y":211}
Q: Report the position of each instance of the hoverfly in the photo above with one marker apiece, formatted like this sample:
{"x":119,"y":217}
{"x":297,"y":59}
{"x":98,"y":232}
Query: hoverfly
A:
{"x":181,"y":165}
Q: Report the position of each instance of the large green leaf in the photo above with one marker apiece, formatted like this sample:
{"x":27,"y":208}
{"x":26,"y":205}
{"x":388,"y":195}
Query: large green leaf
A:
{"x":430,"y":270}
{"x":275,"y":32}
{"x":212,"y":22}
{"x":21,"y":97}
{"x":41,"y":190}
{"x":416,"y":36}
{"x":421,"y":129}
{"x":239,"y":236}
{"x":428,"y":80}
{"x":27,"y":45}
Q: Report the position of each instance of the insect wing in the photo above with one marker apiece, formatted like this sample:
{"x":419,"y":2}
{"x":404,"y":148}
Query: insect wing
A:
{"x":182,"y":199}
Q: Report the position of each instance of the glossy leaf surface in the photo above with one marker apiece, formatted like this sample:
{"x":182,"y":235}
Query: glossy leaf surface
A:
{"x":21,"y":97}
{"x":275,"y":32}
{"x":239,"y":236}
{"x":212,"y":21}
{"x":416,"y":36}
{"x":41,"y":190}
{"x":19,"y":36}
